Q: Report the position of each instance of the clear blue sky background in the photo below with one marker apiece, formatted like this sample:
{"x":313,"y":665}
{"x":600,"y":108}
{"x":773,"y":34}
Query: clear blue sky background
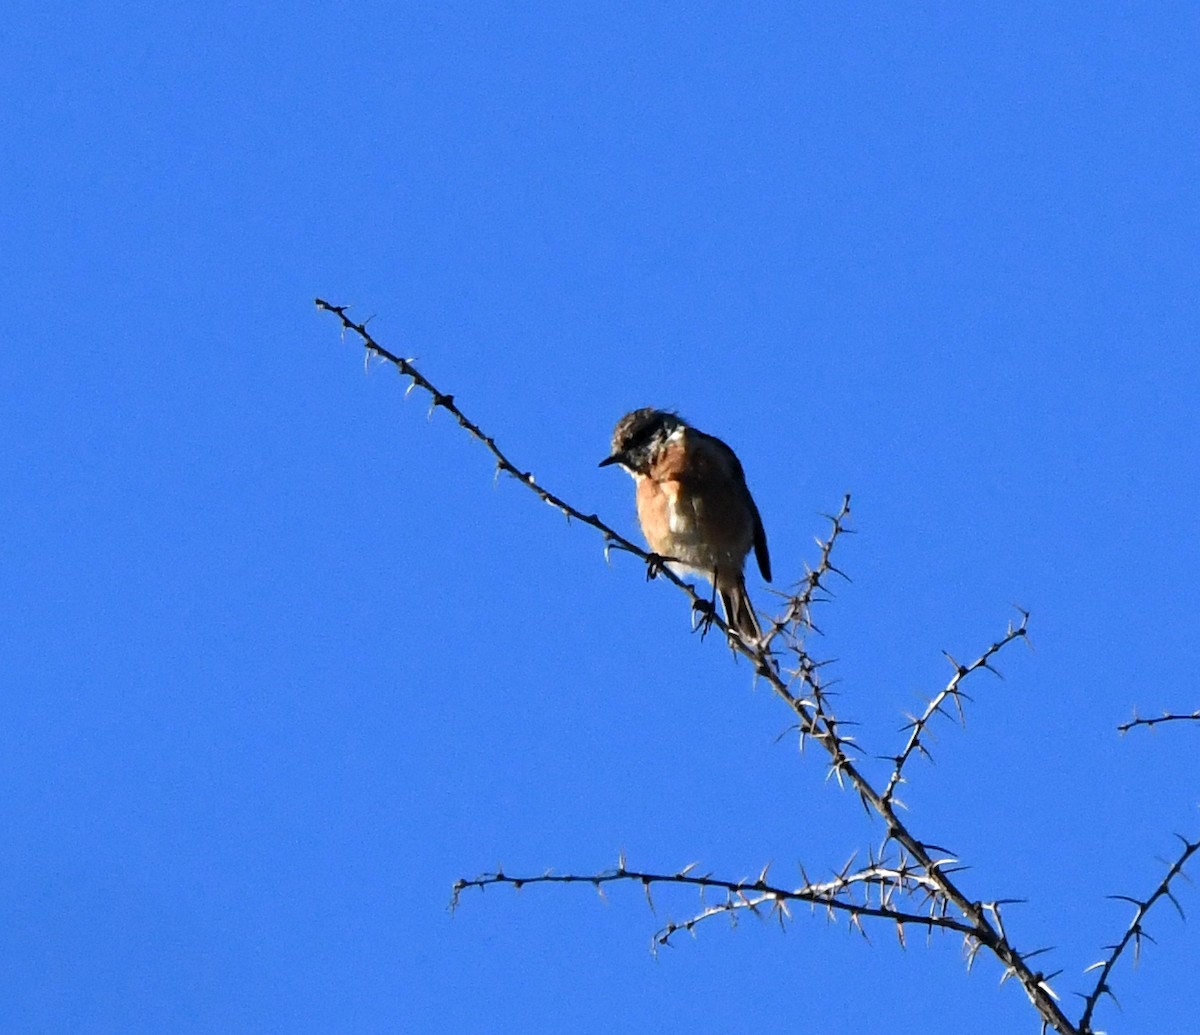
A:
{"x":281,"y":662}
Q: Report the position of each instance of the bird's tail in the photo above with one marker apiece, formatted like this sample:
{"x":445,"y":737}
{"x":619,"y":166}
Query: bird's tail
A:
{"x":739,"y":612}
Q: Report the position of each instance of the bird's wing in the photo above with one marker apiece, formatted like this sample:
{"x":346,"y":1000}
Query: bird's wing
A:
{"x":760,"y":536}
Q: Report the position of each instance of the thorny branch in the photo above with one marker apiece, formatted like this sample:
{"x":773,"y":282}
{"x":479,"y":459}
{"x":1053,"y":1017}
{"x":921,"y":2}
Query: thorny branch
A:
{"x":918,"y":868}
{"x":796,"y":616}
{"x":441,"y":400}
{"x":878,"y":884}
{"x":952,"y":692}
{"x":1134,"y":933}
{"x":1125,"y":727}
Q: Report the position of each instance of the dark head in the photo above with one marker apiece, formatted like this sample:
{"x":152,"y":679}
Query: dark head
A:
{"x":638,"y":436}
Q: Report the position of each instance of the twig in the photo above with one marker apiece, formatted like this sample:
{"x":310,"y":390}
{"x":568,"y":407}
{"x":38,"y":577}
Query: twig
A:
{"x":747,"y":894}
{"x":613,"y":539}
{"x":1125,"y":727}
{"x":797,"y":612}
{"x":951,"y":692}
{"x":1133,"y":933}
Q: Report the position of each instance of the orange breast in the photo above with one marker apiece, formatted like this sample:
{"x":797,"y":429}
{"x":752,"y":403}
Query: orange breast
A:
{"x":692,"y":506}
{"x":654,"y":514}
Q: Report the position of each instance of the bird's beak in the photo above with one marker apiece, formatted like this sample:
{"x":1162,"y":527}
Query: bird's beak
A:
{"x":614,"y":459}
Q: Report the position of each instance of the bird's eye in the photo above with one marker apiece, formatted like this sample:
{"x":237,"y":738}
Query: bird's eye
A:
{"x":641,"y":437}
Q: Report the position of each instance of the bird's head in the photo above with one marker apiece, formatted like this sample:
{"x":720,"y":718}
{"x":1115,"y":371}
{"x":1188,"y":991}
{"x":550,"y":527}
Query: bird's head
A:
{"x":639,"y":436}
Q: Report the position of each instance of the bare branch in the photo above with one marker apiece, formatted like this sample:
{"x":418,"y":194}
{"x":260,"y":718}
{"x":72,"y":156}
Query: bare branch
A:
{"x":1125,"y":727}
{"x":952,"y":692}
{"x":751,"y":895}
{"x":796,"y":616}
{"x":1134,"y":933}
{"x":442,"y":400}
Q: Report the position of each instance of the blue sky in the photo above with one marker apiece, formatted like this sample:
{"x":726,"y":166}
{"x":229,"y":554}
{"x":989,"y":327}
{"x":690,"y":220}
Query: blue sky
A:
{"x":283,"y":662}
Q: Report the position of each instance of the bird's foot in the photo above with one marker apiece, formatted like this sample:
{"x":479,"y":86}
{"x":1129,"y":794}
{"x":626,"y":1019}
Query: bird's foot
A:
{"x":656,"y":564}
{"x":704,"y":613}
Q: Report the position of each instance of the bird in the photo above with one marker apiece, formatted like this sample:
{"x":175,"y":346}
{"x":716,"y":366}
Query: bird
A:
{"x":694,"y":506}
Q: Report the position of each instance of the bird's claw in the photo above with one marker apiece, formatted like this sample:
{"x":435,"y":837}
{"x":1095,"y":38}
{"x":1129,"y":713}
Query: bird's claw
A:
{"x":656,"y":564}
{"x":706,"y":614}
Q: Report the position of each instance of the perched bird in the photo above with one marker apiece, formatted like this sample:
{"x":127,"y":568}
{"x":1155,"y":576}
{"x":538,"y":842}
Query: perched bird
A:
{"x":694,"y":506}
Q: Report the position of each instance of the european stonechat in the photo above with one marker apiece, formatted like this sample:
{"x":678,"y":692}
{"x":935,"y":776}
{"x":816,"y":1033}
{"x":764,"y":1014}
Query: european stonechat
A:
{"x":694,"y":506}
